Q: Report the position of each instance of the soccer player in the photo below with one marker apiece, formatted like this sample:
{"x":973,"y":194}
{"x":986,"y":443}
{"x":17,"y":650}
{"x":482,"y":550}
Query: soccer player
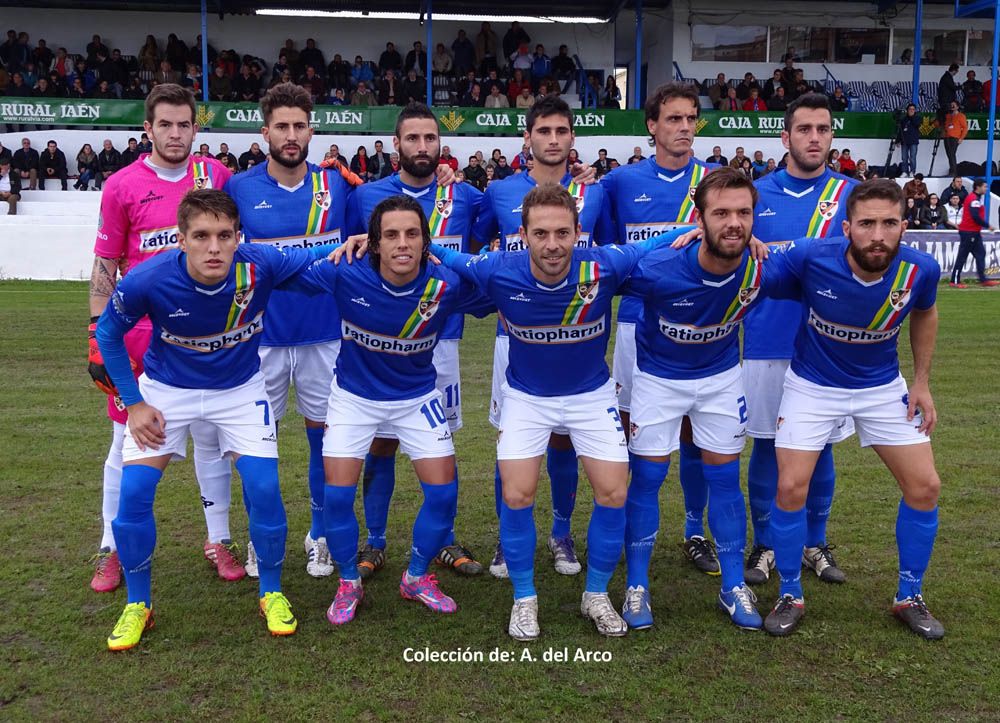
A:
{"x":549,"y":132}
{"x":555,"y":299}
{"x":649,"y":198}
{"x":970,"y":236}
{"x":393,"y":311}
{"x":857,"y":290}
{"x":291,"y":203}
{"x":451,"y":211}
{"x":138,"y":221}
{"x":687,"y":364}
{"x":806,"y":199}
{"x":205,"y":301}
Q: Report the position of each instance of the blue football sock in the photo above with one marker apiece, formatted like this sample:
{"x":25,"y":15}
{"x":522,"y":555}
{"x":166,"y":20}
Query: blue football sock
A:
{"x":695,"y":490}
{"x":915,"y":533}
{"x":820,"y":498}
{"x":727,"y":518}
{"x":762,"y":485}
{"x":642,"y":518}
{"x":788,"y":533}
{"x":563,"y":479}
{"x":605,"y":537}
{"x":135,"y":529}
{"x":497,"y":489}
{"x":317,"y":481}
{"x":449,"y":538}
{"x":379,"y":481}
{"x":268,"y":524}
{"x":342,"y":529}
{"x":435,"y":518}
{"x":518,"y":538}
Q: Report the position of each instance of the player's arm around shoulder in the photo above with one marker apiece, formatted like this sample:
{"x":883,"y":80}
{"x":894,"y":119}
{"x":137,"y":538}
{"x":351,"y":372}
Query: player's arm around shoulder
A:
{"x":309,"y":271}
{"x":649,"y":271}
{"x":473,"y":268}
{"x":783,"y":271}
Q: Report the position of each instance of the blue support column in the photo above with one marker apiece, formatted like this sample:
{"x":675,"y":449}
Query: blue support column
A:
{"x":917,"y":33}
{"x":991,"y":131}
{"x":204,"y":50}
{"x":637,"y":88}
{"x":430,"y":39}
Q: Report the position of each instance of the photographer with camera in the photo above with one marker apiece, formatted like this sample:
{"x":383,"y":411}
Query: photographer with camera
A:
{"x":908,"y":132}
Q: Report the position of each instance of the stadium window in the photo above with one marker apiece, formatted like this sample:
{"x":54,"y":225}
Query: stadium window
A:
{"x":980,"y":47}
{"x":808,"y":45}
{"x":746,"y":44}
{"x":853,"y":45}
{"x":948,"y":46}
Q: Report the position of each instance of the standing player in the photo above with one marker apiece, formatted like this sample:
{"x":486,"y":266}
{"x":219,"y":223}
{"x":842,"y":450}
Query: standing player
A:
{"x":549,"y":132}
{"x":649,"y":198}
{"x":450,"y":210}
{"x":206,"y":302}
{"x":970,"y":228}
{"x":290,"y":203}
{"x":806,"y":199}
{"x":392,"y":312}
{"x":857,"y":291}
{"x":556,"y":302}
{"x":139,"y":220}
{"x":688,"y":364}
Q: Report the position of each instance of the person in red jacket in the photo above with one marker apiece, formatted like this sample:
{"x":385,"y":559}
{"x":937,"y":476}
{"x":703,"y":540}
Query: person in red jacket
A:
{"x":971,"y":239}
{"x":754,"y":102}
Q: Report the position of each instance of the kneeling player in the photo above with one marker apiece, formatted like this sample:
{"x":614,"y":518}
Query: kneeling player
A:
{"x":206,"y":302}
{"x":556,"y":301}
{"x":858,"y":290}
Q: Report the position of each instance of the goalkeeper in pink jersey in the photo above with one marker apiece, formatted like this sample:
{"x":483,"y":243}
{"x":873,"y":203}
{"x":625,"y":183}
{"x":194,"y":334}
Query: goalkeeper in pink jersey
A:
{"x":138,"y":220}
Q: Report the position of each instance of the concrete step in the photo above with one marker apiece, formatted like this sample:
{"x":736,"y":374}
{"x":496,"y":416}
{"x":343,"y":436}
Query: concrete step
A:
{"x":57,"y":210}
{"x":88,"y":221}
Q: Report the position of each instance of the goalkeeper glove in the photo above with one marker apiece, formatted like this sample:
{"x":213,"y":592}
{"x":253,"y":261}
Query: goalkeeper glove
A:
{"x":95,"y":362}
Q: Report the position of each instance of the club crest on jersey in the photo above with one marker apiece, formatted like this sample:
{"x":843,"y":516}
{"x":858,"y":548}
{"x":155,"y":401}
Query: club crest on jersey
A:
{"x":427,"y":309}
{"x":748,"y":294}
{"x":322,"y":199}
{"x":444,"y":207}
{"x":202,"y":182}
{"x":828,"y":209}
{"x":588,"y":291}
{"x":898,"y":298}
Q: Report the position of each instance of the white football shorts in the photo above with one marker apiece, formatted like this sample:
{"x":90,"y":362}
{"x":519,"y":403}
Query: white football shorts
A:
{"x":623,"y":364}
{"x":309,"y":368}
{"x":449,"y":383}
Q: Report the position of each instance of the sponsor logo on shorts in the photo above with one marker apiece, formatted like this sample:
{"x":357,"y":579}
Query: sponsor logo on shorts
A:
{"x":269,"y":438}
{"x":302,"y":242}
{"x":568,"y":334}
{"x":849,"y":334}
{"x":690,"y":334}
{"x":159,"y":239}
{"x":386,"y":344}
{"x":216,"y":342}
{"x":641,"y":231}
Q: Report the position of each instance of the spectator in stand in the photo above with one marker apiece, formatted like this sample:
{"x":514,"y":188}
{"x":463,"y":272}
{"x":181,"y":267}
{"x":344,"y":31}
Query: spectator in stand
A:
{"x":737,"y":160}
{"x":572,"y":159}
{"x":475,"y":174}
{"x":838,"y":101}
{"x":771,"y":86}
{"x":463,"y":54}
{"x":490,"y":171}
{"x":380,"y":165}
{"x":916,"y":189}
{"x":103,"y":91}
{"x":361,"y":166}
{"x":394,"y":162}
{"x":912,"y":214}
{"x":953,"y":212}
{"x":416,"y":60}
{"x":5,"y":154}
{"x":496,"y":99}
{"x":970,"y":230}
{"x":166,"y":73}
{"x":957,"y":188}
{"x":521,"y":159}
{"x":988,"y":93}
{"x":227,"y":158}
{"x":203,"y":152}
{"x":771,"y":166}
{"x":947,"y":91}
{"x":148,"y":57}
{"x":847,"y":164}
{"x":754,"y":102}
{"x":441,"y":62}
{"x":175,"y":54}
{"x":19,"y":89}
{"x":465,"y":84}
{"x":390,"y":92}
{"x":44,"y":90}
{"x":516,"y":84}
{"x":955,"y":130}
{"x":390,"y":59}
{"x":245,"y":86}
{"x":413,"y":89}
{"x":602,"y":166}
{"x":474,"y":97}
{"x":42,"y":57}
{"x":759,"y":164}
{"x":502,"y":170}
{"x":10,"y":187}
{"x":563,"y":66}
{"x":495,"y":158}
{"x":636,"y":156}
{"x":87,"y":77}
{"x":8,"y":49}
{"x":906,"y":57}
{"x":746,"y":168}
{"x":22,"y":51}
{"x":525,"y":99}
{"x":361,"y":72}
{"x":279,"y":69}
{"x":833,"y":160}
{"x":78,"y":92}
{"x":63,"y":65}
{"x":930,"y":57}
{"x":220,"y":87}
{"x":909,"y":137}
{"x":521,"y":59}
{"x":25,"y":164}
{"x":337,"y":97}
{"x":778,"y":101}
{"x":487,"y":44}
{"x":788,"y":72}
{"x":719,"y":90}
{"x":335,"y":154}
{"x":493,"y":79}
{"x":57,"y":84}
{"x":446,"y":159}
{"x":717,"y":157}
{"x":730,"y":102}
{"x":146,"y":145}
{"x":30,"y":76}
{"x":972,"y":89}
{"x":933,"y":216}
{"x":338,"y":73}
{"x":192,"y":79}
{"x":86,"y":167}
{"x":783,"y":163}
{"x":314,"y":84}
{"x":541,"y":64}
{"x":253,"y":157}
{"x":52,"y":166}
{"x":286,"y":77}
{"x":746,"y":85}
{"x":611,"y":97}
{"x":132,"y":153}
{"x":96,"y":47}
{"x":861,"y":172}
{"x":311,"y":55}
{"x":363,"y":95}
{"x":514,"y":38}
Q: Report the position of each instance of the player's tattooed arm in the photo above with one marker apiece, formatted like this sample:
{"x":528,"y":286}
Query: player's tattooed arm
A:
{"x":923,"y":336}
{"x":103,"y":280}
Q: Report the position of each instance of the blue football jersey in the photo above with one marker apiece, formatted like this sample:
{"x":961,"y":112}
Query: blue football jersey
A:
{"x":388,"y":333}
{"x":558,"y":334}
{"x":690,"y":316}
{"x":789,"y":208}
{"x":203,"y":338}
{"x":646,"y":200}
{"x":851,"y":329}
{"x":308,"y":215}
{"x":451,"y":212}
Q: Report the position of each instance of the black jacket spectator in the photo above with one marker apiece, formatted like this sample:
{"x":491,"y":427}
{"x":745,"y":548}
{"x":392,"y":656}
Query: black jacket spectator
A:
{"x":52,"y":166}
{"x":909,"y":130}
{"x":476,"y":176}
{"x":228,"y":160}
{"x":390,"y":59}
{"x":414,"y":88}
{"x":838,"y":103}
{"x":311,"y":55}
{"x":745,"y":86}
{"x":94,"y":48}
{"x":514,"y":38}
{"x":338,"y":73}
{"x":380,"y":165}
{"x":25,"y":161}
{"x":109,"y":160}
{"x":563,"y":65}
{"x":251,"y":157}
{"x":45,"y":90}
{"x":176,"y":51}
{"x":947,"y":88}
{"x":390,"y":91}
{"x":416,"y":59}
{"x":946,"y":194}
{"x":5,"y":154}
{"x":933,"y":218}
{"x":464,"y":54}
{"x":130,"y":155}
{"x":246,"y":86}
{"x":972,"y":89}
{"x":777,"y":101}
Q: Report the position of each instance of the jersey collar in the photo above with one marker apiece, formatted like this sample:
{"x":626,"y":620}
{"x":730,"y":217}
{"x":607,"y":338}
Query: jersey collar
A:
{"x":665,"y":174}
